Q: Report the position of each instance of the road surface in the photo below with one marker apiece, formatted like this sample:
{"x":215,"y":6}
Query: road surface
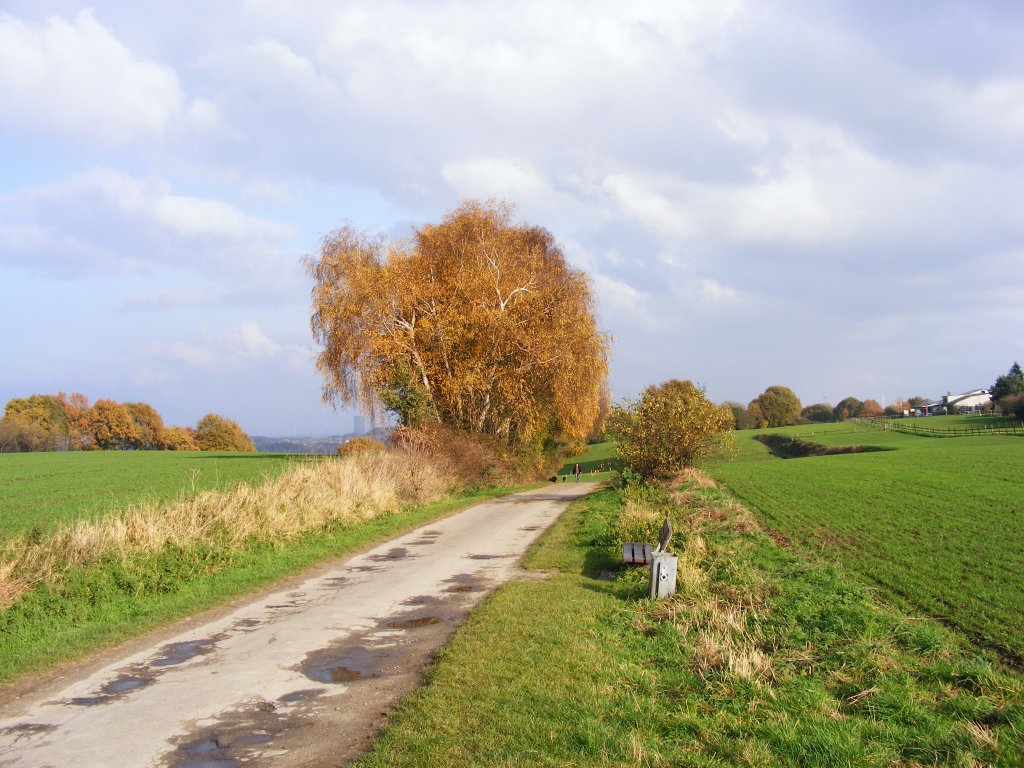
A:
{"x":300,"y":676}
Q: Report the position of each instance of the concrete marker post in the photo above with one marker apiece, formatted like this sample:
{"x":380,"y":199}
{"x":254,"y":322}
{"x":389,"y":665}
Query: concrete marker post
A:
{"x":663,"y":576}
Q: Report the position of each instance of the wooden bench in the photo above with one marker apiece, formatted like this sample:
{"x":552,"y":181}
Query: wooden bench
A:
{"x":637,"y":552}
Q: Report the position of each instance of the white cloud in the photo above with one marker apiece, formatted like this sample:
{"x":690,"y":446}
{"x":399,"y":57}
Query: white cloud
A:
{"x":105,"y":219}
{"x":158,"y":300}
{"x":248,"y":341}
{"x":496,"y":177}
{"x":245,"y":342}
{"x":76,"y":78}
{"x":717,"y":293}
{"x":652,"y":207}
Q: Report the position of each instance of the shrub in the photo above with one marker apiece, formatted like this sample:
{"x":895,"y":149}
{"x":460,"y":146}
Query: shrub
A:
{"x":360,"y":445}
{"x":215,"y":433}
{"x":672,"y":426}
{"x":1013,"y":404}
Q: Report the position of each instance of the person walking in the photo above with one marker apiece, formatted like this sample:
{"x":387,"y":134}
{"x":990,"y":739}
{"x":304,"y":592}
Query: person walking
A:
{"x":576,"y":471}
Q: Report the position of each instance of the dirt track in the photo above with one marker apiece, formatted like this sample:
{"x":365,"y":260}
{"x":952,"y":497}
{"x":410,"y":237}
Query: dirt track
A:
{"x":300,"y":676}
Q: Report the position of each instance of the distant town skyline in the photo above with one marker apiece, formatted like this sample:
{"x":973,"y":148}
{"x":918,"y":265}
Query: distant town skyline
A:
{"x":823,"y":196}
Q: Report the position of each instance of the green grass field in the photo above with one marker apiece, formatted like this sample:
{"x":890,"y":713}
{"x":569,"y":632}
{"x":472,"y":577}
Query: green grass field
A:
{"x":936,"y":526}
{"x":40,"y":489}
{"x":952,"y":426}
{"x":599,"y":462}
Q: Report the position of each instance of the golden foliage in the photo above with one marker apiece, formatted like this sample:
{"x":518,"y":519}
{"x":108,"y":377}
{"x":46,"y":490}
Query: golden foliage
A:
{"x":111,"y":426}
{"x":672,"y":426}
{"x":477,"y":323}
{"x":360,"y":445}
{"x":216,"y":433}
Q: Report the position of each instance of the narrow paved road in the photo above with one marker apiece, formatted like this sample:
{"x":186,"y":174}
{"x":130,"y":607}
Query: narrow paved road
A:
{"x":298,"y":677}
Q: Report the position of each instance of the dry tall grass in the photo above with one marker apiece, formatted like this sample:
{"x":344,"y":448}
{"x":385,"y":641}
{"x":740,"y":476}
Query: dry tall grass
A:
{"x":309,"y":496}
{"x":721,"y":622}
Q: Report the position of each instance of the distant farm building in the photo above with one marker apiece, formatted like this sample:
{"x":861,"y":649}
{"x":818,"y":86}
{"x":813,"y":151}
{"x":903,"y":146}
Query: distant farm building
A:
{"x":975,"y":401}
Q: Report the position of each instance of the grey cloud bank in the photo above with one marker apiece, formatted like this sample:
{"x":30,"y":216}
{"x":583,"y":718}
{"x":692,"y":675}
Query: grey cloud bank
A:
{"x":820,"y":195}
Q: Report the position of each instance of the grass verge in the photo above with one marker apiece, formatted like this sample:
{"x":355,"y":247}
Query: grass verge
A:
{"x":762,"y":658}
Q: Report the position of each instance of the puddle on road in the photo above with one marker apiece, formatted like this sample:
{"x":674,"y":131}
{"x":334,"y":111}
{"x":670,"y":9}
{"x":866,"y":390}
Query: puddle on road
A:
{"x":246,"y":625}
{"x":179,"y":653}
{"x":395,"y":553}
{"x":345,"y":664}
{"x":530,"y":528}
{"x":307,"y":694}
{"x":235,"y":738}
{"x":126,"y":683}
{"x":139,"y":677}
{"x":422,"y":621}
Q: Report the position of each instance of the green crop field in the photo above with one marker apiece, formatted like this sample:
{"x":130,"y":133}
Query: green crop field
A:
{"x":40,"y":489}
{"x":936,"y":526}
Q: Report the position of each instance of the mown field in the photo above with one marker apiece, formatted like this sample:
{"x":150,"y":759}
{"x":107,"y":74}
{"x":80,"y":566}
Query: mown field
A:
{"x":40,"y":489}
{"x":934,"y":525}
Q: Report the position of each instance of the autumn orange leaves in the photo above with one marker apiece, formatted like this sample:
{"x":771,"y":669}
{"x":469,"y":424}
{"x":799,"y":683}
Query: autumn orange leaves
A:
{"x":475,"y":322}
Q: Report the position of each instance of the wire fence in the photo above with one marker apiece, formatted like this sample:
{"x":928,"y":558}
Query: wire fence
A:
{"x":915,"y":427}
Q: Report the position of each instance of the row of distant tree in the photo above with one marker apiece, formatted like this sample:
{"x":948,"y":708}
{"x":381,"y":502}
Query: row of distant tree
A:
{"x":779,"y":406}
{"x":65,"y":422}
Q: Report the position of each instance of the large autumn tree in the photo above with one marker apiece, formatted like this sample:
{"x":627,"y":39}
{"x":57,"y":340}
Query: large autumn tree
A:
{"x":476,"y":322}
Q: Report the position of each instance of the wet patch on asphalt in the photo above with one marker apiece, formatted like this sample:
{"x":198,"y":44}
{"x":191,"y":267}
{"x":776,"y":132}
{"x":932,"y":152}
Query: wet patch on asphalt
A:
{"x":306,"y":694}
{"x":465,"y":582}
{"x":247,"y":625}
{"x":395,"y":553}
{"x":421,"y":600}
{"x":490,"y":557}
{"x":139,"y":676}
{"x":416,"y":623}
{"x":234,"y":738}
{"x":27,"y":730}
{"x":179,"y":653}
{"x":345,"y":663}
{"x":426,"y":539}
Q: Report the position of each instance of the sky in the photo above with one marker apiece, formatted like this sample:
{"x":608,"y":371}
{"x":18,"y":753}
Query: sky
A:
{"x":824,"y":195}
